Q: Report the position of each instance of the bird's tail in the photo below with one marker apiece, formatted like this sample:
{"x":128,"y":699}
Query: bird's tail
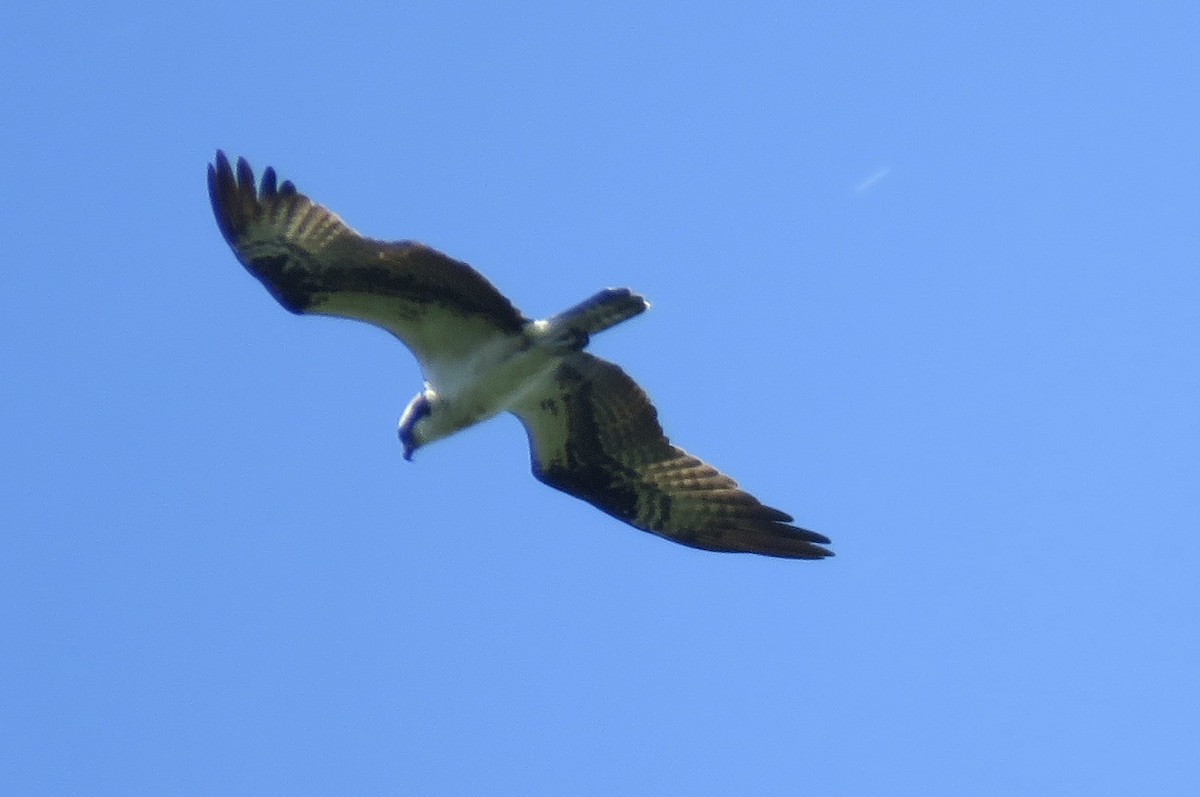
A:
{"x":607,"y":308}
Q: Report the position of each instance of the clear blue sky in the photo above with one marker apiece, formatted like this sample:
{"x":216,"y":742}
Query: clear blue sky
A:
{"x":927,"y":278}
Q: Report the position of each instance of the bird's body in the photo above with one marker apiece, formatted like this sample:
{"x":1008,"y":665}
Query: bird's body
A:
{"x":593,"y":433}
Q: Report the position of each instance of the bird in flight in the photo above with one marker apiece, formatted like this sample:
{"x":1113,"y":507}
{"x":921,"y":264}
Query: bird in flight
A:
{"x":593,"y":433}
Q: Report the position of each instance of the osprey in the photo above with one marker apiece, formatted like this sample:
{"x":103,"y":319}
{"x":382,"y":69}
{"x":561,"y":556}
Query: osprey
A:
{"x":592,"y":432}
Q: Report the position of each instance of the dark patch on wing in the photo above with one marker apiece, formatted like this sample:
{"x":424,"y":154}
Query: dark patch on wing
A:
{"x":303,"y":253}
{"x":293,"y":288}
{"x":583,"y":469}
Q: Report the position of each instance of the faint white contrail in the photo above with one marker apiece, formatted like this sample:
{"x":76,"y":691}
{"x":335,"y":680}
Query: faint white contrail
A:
{"x":873,"y":179}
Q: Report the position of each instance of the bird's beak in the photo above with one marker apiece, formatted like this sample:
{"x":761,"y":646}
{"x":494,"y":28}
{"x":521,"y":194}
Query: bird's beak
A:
{"x":408,"y":453}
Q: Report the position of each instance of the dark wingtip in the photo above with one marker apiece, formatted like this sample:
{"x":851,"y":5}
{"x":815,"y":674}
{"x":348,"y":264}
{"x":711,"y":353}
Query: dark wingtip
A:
{"x":222,"y":192}
{"x":813,"y":536}
{"x":267,"y":186}
{"x":797,"y":543}
{"x":796,"y":546}
{"x":217,"y":170}
{"x":245,"y":175}
{"x":777,"y":539}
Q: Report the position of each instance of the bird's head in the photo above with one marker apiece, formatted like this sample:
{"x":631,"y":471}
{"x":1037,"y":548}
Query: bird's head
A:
{"x":414,"y":424}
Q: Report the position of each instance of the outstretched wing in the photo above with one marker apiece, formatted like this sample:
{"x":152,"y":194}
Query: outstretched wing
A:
{"x":594,"y":434}
{"x":312,"y":262}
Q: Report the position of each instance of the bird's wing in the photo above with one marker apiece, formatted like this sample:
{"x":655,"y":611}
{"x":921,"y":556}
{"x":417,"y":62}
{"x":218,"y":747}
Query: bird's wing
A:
{"x":312,"y":262}
{"x":594,"y":434}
